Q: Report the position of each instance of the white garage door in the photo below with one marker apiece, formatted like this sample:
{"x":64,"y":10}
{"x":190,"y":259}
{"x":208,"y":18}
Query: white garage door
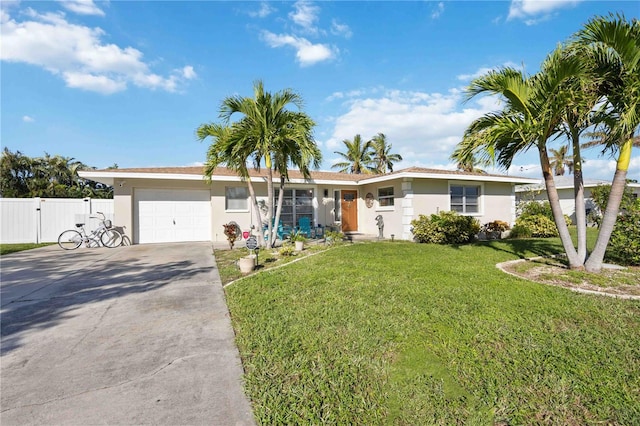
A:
{"x":165,"y":215}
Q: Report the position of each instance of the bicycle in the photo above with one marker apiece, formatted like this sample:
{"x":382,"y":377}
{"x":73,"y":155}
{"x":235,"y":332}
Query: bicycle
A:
{"x":104,"y":235}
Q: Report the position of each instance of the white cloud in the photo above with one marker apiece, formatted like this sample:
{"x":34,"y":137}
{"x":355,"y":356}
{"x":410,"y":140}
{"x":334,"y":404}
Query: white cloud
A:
{"x":188,"y":72}
{"x":437,"y":11}
{"x":82,"y":7}
{"x":484,"y":70}
{"x":264,"y":11}
{"x":305,"y":15}
{"x":28,"y":119}
{"x":78,"y":54}
{"x":423,"y":127}
{"x":523,"y":9}
{"x":307,"y":53}
{"x":340,"y":29}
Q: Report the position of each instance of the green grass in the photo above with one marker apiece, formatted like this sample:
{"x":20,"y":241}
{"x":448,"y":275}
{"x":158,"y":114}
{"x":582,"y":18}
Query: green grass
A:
{"x":13,"y":248}
{"x":403,"y":333}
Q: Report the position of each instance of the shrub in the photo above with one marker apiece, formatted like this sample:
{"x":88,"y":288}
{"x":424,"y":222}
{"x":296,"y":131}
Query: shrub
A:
{"x":445,"y":228}
{"x":520,"y":231}
{"x":539,"y":226}
{"x":287,"y":250}
{"x":232,"y":232}
{"x":496,"y":226}
{"x":624,"y":245}
{"x":333,"y":237}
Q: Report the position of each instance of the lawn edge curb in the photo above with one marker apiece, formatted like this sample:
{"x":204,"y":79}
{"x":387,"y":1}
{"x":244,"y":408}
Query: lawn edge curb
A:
{"x":283,"y":265}
{"x":502,"y":266}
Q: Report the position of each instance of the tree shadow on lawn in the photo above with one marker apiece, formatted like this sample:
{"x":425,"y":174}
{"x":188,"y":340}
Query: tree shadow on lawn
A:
{"x":47,"y":295}
{"x":525,"y":248}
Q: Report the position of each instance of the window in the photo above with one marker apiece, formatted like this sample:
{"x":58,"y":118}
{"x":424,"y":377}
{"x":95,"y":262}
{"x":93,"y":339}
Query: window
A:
{"x":337,"y":205}
{"x":385,"y":197}
{"x":296,"y":203}
{"x":465,"y":199}
{"x":236,"y":198}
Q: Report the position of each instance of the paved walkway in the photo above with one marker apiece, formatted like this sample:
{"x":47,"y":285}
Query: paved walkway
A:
{"x":133,"y":335}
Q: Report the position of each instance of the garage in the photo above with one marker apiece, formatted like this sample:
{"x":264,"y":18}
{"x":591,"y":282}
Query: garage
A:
{"x":167,"y":215}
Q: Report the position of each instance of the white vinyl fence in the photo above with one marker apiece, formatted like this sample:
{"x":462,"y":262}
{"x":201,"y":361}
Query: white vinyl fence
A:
{"x":41,"y":220}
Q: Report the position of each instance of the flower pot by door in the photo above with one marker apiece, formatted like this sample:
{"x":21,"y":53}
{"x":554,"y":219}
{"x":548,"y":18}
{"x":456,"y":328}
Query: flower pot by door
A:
{"x":247,"y":264}
{"x":299,"y":245}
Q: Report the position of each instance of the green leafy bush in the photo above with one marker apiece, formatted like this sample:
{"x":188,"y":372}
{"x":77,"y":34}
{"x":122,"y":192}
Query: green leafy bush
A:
{"x":445,"y":228}
{"x":287,"y":249}
{"x":520,"y":231}
{"x":624,"y":245}
{"x":539,"y":226}
{"x":333,"y":237}
{"x":536,"y":220}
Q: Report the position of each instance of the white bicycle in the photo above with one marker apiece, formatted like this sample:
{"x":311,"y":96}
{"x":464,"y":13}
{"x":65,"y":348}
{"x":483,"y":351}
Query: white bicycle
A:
{"x":104,"y":235}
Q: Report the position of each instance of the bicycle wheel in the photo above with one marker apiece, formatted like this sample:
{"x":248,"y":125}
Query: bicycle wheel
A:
{"x":70,"y":240}
{"x":111,"y":238}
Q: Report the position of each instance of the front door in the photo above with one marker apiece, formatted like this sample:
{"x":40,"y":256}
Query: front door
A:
{"x":349,"y":207}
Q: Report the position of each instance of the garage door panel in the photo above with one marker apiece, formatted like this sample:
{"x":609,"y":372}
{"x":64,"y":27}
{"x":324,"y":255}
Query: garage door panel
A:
{"x":172,"y":215}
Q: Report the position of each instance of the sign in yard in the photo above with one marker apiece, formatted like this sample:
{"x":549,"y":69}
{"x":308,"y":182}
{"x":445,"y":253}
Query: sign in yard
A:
{"x":245,"y":234}
{"x":252,"y":243}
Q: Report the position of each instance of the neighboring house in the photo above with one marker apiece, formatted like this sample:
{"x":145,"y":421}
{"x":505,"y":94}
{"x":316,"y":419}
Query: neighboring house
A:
{"x":178,"y":204}
{"x":564,"y":184}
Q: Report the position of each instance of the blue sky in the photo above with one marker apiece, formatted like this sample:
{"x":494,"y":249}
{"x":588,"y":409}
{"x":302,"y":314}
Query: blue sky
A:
{"x":129,"y":82}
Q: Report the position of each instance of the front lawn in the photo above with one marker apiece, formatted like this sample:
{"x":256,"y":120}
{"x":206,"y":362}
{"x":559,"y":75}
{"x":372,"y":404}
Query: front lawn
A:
{"x":13,"y":248}
{"x":404,"y":333}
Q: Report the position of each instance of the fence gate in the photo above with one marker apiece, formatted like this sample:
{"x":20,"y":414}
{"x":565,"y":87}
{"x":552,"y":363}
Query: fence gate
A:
{"x":41,"y":220}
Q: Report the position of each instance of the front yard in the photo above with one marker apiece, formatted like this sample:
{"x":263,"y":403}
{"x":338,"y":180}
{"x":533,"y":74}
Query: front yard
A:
{"x":405,"y":333}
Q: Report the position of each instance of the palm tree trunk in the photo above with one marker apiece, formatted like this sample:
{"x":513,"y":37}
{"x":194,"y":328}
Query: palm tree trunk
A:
{"x":578,"y":191}
{"x":556,"y":209}
{"x":278,"y":207}
{"x":594,"y":262}
{"x":256,"y":210}
{"x":271,"y":242}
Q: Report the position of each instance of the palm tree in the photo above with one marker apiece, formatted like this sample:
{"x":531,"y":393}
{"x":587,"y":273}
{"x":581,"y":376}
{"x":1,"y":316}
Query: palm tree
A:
{"x":532,"y":114}
{"x":613,"y":44}
{"x":357,"y":159}
{"x":266,"y":132}
{"x":560,"y":161}
{"x":382,"y":156}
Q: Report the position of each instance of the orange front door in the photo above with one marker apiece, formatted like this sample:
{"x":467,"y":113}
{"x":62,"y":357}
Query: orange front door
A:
{"x":349,"y":206}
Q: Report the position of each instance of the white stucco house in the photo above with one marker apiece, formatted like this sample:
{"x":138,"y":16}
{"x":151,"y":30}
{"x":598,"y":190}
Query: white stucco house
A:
{"x":564,"y":185}
{"x":174,"y":204}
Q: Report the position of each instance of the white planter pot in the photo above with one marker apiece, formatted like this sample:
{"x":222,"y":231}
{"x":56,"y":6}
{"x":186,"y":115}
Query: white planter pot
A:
{"x":247,"y":264}
{"x":299,"y":245}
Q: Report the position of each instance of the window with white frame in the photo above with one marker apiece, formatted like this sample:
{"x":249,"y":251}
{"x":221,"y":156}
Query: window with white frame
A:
{"x":236,"y":198}
{"x":385,"y":197}
{"x":465,"y":198}
{"x":296,"y":204}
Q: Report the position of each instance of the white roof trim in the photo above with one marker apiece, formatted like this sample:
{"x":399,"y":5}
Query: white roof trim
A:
{"x":110,"y":177}
{"x":451,"y":176}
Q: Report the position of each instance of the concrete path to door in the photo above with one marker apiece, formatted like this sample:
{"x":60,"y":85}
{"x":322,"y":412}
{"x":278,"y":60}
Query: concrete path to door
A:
{"x":132,"y":335}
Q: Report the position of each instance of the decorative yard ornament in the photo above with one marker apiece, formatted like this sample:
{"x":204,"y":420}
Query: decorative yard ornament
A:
{"x":380,"y":224}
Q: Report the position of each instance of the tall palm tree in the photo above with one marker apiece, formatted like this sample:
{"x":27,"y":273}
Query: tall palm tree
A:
{"x":613,"y":44}
{"x":561,"y":161}
{"x":299,"y":151}
{"x":382,"y":156}
{"x":358,"y":157}
{"x":265,"y":129}
{"x":532,"y":115}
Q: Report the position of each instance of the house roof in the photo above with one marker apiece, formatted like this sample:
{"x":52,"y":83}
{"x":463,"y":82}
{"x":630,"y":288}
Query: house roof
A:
{"x":566,"y":182}
{"x":108,"y":176}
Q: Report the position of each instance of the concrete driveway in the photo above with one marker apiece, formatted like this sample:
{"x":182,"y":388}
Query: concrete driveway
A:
{"x":132,"y":335}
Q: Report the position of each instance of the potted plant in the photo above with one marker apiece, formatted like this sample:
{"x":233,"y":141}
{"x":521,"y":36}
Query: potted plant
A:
{"x":298,"y":239}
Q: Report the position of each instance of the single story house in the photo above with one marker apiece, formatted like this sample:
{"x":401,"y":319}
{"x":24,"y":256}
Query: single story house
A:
{"x":174,"y":204}
{"x":564,"y":185}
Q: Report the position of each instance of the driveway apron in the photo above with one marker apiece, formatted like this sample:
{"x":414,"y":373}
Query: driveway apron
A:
{"x":132,"y":335}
